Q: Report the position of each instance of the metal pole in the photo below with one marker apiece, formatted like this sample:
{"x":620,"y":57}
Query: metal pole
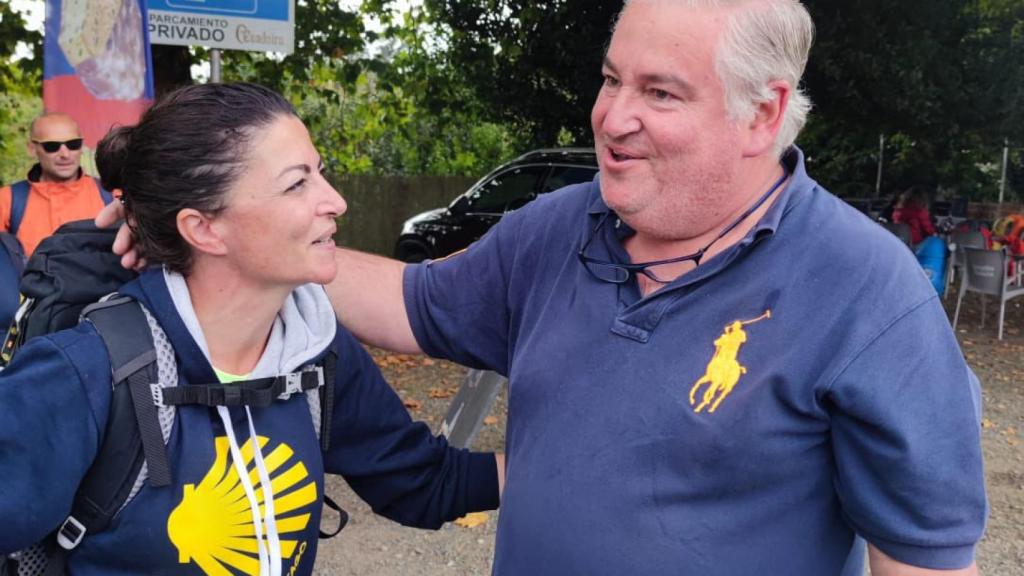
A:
{"x":214,"y":65}
{"x":1006,"y":161}
{"x":881,"y":155}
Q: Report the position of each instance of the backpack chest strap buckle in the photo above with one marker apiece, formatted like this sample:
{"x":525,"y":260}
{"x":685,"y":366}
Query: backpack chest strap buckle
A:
{"x":307,"y":379}
{"x":70,"y":533}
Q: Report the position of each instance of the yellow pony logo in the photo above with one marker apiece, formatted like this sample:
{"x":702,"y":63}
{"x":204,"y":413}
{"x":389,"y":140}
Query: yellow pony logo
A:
{"x":724,"y":370}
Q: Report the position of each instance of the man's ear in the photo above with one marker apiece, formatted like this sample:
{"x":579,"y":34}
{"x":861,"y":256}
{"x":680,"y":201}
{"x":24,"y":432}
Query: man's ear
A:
{"x":764,"y":126}
{"x":30,"y":149}
{"x":197,"y":229}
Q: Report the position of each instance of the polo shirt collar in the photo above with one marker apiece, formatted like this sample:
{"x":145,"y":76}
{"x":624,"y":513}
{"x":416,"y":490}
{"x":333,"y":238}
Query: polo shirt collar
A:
{"x":638,"y":320}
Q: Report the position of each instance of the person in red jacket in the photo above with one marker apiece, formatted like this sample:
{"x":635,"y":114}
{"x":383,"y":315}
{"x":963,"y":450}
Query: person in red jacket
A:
{"x":912,"y":210}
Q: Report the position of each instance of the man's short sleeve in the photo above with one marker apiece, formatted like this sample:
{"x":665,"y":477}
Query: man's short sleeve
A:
{"x":906,"y":432}
{"x":458,"y":306}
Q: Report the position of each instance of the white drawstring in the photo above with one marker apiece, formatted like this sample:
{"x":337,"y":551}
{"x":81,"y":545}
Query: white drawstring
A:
{"x":267,"y":566}
{"x":268,"y":501}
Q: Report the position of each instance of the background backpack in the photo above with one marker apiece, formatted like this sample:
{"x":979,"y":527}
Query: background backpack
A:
{"x":66,"y":276}
{"x":68,"y":271}
{"x":12,"y":264}
{"x":12,"y":261}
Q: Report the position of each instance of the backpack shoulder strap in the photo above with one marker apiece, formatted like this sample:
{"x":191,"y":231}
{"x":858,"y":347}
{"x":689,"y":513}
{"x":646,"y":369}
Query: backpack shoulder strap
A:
{"x":128,"y":438}
{"x":329,"y":362}
{"x":19,"y":199}
{"x":105,"y":195}
{"x":125,"y":331}
{"x":12,"y":246}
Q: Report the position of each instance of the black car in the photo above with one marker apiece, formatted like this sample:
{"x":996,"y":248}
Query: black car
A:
{"x":441,"y":231}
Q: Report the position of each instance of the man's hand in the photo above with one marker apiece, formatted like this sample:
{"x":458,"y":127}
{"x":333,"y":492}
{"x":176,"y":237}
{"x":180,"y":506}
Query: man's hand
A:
{"x":111,"y":215}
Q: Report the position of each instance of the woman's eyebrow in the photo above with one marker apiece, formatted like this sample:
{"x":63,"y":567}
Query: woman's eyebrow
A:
{"x":304,"y":167}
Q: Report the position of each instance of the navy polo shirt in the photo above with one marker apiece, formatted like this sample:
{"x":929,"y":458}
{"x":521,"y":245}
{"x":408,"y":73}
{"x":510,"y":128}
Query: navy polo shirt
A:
{"x":799,"y":389}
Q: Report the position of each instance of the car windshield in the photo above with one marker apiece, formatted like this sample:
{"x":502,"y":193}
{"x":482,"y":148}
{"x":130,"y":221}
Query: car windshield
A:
{"x":504,"y":189}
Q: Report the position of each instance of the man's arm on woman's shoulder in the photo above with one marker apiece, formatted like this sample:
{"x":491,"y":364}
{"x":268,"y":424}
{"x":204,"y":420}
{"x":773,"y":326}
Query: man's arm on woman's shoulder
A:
{"x":367,"y":298}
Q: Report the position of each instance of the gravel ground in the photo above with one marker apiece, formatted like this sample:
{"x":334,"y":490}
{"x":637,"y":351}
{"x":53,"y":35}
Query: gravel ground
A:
{"x":371,"y":545}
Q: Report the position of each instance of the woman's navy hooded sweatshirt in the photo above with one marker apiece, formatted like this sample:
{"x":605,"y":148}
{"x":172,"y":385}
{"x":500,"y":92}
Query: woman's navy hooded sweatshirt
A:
{"x":54,"y":402}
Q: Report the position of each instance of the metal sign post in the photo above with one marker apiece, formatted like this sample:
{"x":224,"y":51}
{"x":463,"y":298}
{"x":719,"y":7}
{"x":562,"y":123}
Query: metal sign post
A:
{"x":215,"y":65}
{"x":1006,"y":161}
{"x":881,"y":156}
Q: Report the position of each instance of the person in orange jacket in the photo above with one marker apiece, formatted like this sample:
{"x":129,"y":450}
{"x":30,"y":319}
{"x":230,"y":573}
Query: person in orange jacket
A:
{"x":56,"y":190}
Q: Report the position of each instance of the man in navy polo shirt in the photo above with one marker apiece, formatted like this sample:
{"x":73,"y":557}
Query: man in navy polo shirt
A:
{"x":705,"y":378}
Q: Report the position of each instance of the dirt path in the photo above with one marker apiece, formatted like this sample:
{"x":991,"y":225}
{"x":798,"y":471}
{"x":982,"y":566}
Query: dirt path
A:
{"x":373,"y":546}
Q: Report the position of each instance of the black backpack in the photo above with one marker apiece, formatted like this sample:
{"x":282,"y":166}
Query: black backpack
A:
{"x":64,"y":279}
{"x":68,"y":271}
{"x":12,"y":261}
{"x":12,"y":264}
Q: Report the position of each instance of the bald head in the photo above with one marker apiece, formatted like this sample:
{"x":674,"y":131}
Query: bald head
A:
{"x":53,"y":123}
{"x":62,"y":164}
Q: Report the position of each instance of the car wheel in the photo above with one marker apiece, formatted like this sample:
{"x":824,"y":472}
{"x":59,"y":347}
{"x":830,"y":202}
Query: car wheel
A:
{"x":412,"y":251}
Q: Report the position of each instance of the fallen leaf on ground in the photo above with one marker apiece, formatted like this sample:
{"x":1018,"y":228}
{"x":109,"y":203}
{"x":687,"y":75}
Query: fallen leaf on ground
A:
{"x":429,"y":362}
{"x":986,"y":423}
{"x":472,"y":520}
{"x":439,"y":393}
{"x":412,"y":404}
{"x":491,"y":420}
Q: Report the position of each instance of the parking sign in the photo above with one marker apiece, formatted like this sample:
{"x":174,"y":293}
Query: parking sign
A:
{"x":222,"y":7}
{"x":260,"y":25}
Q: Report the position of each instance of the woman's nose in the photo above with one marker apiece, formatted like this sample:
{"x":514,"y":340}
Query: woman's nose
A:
{"x":334,"y":204}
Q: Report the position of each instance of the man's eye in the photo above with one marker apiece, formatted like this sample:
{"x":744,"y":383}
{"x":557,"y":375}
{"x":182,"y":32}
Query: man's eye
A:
{"x":298,"y":185}
{"x":611,"y":81}
{"x":659,"y":95}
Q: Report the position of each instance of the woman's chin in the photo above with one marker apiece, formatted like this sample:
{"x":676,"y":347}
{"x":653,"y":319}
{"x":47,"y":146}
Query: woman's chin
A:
{"x":325,"y":275}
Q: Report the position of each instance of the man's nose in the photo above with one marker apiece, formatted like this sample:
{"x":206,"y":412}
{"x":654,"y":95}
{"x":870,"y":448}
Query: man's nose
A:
{"x":621,"y":115}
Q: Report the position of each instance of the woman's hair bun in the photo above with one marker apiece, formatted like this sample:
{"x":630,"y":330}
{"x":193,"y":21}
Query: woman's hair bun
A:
{"x":112,"y":155}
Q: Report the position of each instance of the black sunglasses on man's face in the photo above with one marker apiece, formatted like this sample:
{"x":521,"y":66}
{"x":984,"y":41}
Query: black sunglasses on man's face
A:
{"x":52,"y":146}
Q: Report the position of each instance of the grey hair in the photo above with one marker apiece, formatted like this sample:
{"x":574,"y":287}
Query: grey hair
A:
{"x":766,"y":42}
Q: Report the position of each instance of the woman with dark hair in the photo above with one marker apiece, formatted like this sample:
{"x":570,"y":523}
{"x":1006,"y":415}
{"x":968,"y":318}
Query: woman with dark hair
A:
{"x":912,"y":209}
{"x":224,"y":190}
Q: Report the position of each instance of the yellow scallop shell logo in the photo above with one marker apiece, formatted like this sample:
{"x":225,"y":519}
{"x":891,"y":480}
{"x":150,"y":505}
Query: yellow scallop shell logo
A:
{"x":212,"y":526}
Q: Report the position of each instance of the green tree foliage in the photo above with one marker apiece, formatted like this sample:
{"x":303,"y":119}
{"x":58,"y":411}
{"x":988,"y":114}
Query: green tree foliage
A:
{"x":403,"y":111}
{"x":910,"y":70}
{"x":397,"y":109}
{"x":324,"y":32}
{"x":19,"y":92}
{"x":940,"y":78}
{"x":537,"y":62}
